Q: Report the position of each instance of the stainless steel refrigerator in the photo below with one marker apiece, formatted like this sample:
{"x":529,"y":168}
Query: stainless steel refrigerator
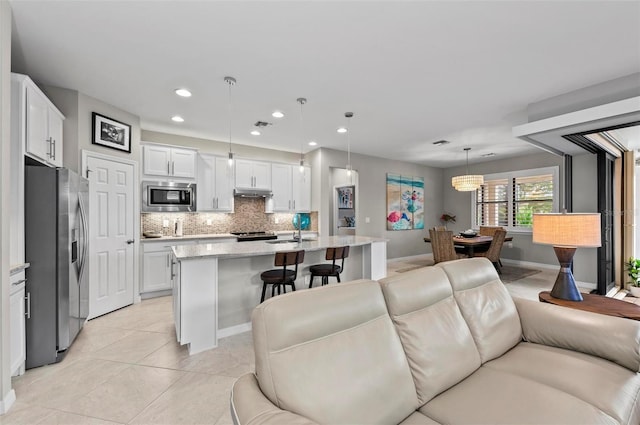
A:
{"x":56,"y":246}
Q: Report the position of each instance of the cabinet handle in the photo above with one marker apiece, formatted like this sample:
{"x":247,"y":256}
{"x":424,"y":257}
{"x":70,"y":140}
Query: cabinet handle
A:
{"x":168,"y":169}
{"x":28,"y":305}
{"x":173,"y":168}
{"x":53,"y":149}
{"x":19,"y":282}
{"x":294,"y":204}
{"x":217,"y":202}
{"x":172,"y":273}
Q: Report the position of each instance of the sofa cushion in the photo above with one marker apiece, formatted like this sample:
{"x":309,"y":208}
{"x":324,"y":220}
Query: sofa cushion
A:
{"x":485,"y":304}
{"x":495,"y":397}
{"x":612,"y":338}
{"x":435,"y":337}
{"x":332,"y":354}
{"x":610,"y":387}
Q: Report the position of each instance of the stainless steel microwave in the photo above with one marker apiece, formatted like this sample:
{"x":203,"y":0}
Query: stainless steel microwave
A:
{"x":168,"y":196}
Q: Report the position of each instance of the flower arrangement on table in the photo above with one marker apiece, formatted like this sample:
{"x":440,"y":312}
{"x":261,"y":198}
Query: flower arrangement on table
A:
{"x":447,"y":218}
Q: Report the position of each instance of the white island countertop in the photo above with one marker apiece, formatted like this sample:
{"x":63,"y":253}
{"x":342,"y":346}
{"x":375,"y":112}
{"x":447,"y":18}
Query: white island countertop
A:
{"x":255,"y":248}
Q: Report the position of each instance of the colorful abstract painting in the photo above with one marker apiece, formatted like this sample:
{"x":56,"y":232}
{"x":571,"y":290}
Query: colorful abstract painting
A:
{"x":405,"y":202}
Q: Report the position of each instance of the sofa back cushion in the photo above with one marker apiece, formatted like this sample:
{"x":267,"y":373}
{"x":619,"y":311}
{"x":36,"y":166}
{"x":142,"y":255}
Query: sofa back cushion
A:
{"x":332,"y":354}
{"x":435,"y":337}
{"x":485,"y":304}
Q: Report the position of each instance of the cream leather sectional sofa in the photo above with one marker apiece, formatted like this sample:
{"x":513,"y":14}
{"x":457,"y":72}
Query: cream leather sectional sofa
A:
{"x":439,"y":345}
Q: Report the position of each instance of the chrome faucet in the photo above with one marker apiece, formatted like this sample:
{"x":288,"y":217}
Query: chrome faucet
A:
{"x":299,"y":236}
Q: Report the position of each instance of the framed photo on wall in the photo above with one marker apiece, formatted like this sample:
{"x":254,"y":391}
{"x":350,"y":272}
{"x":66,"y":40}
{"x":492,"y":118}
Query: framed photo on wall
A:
{"x":111,"y":133}
{"x":345,"y":197}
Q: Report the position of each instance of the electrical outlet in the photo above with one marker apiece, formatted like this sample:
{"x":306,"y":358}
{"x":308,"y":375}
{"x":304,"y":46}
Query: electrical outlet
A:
{"x":367,"y":220}
{"x":209,"y":222}
{"x":277,"y":220}
{"x":165,"y":222}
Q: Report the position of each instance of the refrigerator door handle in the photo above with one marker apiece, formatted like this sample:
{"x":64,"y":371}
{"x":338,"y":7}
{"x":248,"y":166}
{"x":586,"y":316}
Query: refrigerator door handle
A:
{"x":27,"y":299}
{"x":85,"y":238}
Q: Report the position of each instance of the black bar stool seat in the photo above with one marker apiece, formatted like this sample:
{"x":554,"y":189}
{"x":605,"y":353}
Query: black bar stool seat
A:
{"x":326,"y":270}
{"x":280,"y":278}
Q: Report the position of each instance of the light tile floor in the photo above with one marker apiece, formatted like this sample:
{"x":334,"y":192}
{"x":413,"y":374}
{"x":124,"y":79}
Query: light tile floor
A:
{"x":126,"y":367}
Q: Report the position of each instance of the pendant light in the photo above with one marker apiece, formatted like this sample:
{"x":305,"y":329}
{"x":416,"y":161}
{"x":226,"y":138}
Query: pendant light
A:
{"x":231,"y":82}
{"x":301,"y":101}
{"x":349,"y":115}
{"x":467,"y":182}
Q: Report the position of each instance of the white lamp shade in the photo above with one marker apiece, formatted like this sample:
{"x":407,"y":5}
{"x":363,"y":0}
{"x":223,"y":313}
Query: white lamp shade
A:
{"x":467,"y":183}
{"x":567,"y":230}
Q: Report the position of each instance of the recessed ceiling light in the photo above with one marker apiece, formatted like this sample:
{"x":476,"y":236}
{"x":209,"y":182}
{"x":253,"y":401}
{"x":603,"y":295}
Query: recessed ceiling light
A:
{"x":312,"y":143}
{"x":177,"y":118}
{"x":277,"y":114}
{"x":255,"y":133}
{"x":342,"y":130}
{"x":183,"y":92}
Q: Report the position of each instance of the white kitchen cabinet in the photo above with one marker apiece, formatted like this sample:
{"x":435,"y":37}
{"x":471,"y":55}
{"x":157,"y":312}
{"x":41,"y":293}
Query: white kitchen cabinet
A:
{"x":38,"y":122}
{"x":253,"y":174}
{"x":156,"y":270}
{"x":291,"y":188}
{"x":167,"y":161}
{"x":215,"y":184}
{"x":17,"y":323}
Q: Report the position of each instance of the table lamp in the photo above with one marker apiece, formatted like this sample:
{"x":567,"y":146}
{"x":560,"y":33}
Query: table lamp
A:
{"x":566,"y":232}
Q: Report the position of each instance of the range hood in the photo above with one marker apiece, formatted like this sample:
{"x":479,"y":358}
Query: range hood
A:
{"x":252,"y":193}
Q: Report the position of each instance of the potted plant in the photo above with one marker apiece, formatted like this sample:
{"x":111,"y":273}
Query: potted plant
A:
{"x":633,"y":270}
{"x":447,"y":218}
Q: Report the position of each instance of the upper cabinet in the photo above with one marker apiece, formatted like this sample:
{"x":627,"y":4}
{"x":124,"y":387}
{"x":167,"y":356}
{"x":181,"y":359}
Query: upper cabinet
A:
{"x":215,"y":184}
{"x":291,"y":188}
{"x":253,"y":174}
{"x":38,"y":122}
{"x":167,"y":161}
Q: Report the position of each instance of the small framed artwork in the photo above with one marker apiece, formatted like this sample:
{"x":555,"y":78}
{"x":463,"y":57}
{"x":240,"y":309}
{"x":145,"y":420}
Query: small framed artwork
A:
{"x":111,"y":133}
{"x":345,"y":197}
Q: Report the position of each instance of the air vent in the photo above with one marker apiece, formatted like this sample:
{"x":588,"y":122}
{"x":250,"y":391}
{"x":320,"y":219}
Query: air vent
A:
{"x":262,"y":124}
{"x":486,"y":155}
{"x":441,"y":142}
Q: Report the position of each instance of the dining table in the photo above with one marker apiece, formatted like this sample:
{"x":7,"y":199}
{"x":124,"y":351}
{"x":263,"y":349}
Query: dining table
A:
{"x":470,"y":245}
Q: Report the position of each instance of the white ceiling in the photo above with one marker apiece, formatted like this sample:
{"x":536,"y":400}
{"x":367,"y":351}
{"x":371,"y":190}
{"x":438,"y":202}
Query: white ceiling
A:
{"x":412,"y":72}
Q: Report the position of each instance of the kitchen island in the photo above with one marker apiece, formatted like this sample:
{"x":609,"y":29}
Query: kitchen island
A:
{"x":216,"y":286}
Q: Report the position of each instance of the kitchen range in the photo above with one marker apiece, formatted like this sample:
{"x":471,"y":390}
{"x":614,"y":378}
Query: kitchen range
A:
{"x":254,"y":236}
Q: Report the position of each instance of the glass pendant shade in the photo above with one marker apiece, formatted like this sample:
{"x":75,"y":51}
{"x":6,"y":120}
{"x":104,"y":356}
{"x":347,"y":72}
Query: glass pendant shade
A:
{"x":467,"y":183}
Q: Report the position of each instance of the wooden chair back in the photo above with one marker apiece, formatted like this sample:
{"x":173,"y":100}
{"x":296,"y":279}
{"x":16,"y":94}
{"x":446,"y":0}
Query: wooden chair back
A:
{"x":493,"y":253}
{"x":289,"y":258}
{"x":442,"y":245}
{"x":337,"y":253}
{"x":489,"y":230}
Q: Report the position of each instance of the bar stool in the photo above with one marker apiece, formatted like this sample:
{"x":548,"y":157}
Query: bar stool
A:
{"x":328,"y":270}
{"x":281,"y":277}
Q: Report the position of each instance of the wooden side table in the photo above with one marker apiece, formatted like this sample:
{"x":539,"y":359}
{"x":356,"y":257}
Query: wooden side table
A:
{"x":596,"y":304}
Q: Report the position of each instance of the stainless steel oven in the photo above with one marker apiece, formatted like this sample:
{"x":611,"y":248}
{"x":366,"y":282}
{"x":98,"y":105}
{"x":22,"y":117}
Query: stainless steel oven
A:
{"x":168,"y":196}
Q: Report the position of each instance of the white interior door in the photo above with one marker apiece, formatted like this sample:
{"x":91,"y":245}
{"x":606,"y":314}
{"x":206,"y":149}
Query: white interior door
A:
{"x":111,"y":227}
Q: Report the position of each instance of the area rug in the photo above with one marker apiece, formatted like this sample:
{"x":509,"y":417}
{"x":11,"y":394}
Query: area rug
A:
{"x":513,"y":273}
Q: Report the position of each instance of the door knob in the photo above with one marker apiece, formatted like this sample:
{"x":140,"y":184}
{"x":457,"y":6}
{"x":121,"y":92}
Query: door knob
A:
{"x":130,"y":241}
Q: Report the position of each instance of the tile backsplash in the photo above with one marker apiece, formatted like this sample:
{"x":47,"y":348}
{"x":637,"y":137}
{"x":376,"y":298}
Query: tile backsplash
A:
{"x":249,"y":216}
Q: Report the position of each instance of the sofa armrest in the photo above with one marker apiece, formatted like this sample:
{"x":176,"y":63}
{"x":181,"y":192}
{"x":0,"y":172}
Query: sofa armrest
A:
{"x":612,"y":338}
{"x":250,"y":407}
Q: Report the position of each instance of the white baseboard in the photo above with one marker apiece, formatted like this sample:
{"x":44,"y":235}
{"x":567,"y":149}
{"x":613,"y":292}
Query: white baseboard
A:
{"x":7,"y":402}
{"x":234,"y":330}
{"x":410,"y":257}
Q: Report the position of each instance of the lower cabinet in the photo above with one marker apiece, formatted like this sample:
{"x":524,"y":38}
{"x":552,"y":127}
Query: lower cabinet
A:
{"x":17,"y":324}
{"x":175,"y":276}
{"x":156,"y":269}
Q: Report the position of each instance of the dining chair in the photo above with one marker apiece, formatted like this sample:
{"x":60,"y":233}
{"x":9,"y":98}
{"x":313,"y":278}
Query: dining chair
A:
{"x":489,"y":230}
{"x":280,"y":278}
{"x":326,"y":270}
{"x":493,"y":253}
{"x":442,"y":246}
